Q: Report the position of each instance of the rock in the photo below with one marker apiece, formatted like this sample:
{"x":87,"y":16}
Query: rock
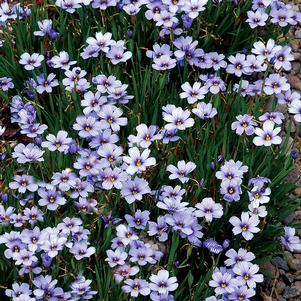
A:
{"x":297,"y":57}
{"x":290,"y":292}
{"x":297,"y":66}
{"x":298,"y":34}
{"x":295,"y":82}
{"x":270,"y":268}
{"x":297,"y":284}
{"x":281,"y":299}
{"x":291,"y":217}
{"x":297,"y":190}
{"x":280,"y":263}
{"x":280,"y":287}
{"x":295,"y":44}
{"x":298,"y":212}
{"x":290,"y":125}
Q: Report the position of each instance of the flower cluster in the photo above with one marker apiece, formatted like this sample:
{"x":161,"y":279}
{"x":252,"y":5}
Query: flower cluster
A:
{"x":100,"y":154}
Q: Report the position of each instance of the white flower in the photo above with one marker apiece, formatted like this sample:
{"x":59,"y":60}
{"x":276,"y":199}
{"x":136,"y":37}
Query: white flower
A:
{"x":268,"y":135}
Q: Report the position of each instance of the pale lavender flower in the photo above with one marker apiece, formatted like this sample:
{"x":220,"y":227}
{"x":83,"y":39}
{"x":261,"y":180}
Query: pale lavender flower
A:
{"x":110,"y":117}
{"x":159,"y":229}
{"x":113,"y":178}
{"x":244,"y":124}
{"x":102,"y":42}
{"x":159,"y":50}
{"x":193,"y":7}
{"x":242,"y":293}
{"x":247,"y":274}
{"x":266,"y":52}
{"x":209,"y":209}
{"x":116,"y":257}
{"x":178,"y":119}
{"x":31,"y":61}
{"x":267,"y":135}
{"x":290,"y":241}
{"x":136,"y":287}
{"x":87,"y":126}
{"x":138,"y":162}
{"x":46,"y":84}
{"x":237,"y":64}
{"x":181,"y":171}
{"x":117,"y":53}
{"x":60,"y":142}
{"x":164,"y":62}
{"x":50,"y":198}
{"x":246,"y":225}
{"x":69,"y":5}
{"x":295,"y":108}
{"x":193,"y":93}
{"x":204,"y":111}
{"x":282,"y":17}
{"x":139,"y":220}
{"x":257,"y":18}
{"x":133,"y":190}
{"x":62,"y":61}
{"x":64,"y":179}
{"x":275,"y":117}
{"x":275,"y":84}
{"x":28,"y":153}
{"x":45,"y":27}
{"x":162,"y":283}
{"x":124,"y":272}
{"x":235,"y":257}
{"x":82,"y":250}
{"x":6,"y":83}
{"x":23,"y":183}
{"x":223,"y":283}
{"x":125,"y":234}
{"x":283,"y":58}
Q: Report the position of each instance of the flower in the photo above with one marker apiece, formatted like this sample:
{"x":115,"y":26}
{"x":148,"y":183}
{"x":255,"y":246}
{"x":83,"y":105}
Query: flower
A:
{"x":60,"y":142}
{"x":295,"y":108}
{"x":81,"y":250}
{"x":204,"y":111}
{"x":164,"y":62}
{"x":177,"y":118}
{"x":209,"y":209}
{"x":46,"y":85}
{"x":50,"y":198}
{"x":116,"y":257}
{"x":246,"y":274}
{"x":193,"y":7}
{"x":246,"y":225}
{"x":238,"y":64}
{"x":31,"y":61}
{"x":101,"y":42}
{"x":244,"y":124}
{"x":193,"y":93}
{"x":139,"y":220}
{"x":275,"y":117}
{"x":224,"y":283}
{"x":23,"y":183}
{"x":267,"y":135}
{"x":257,"y":18}
{"x":138,"y":162}
{"x":135,"y":287}
{"x":181,"y":171}
{"x":290,"y":241}
{"x":275,"y":84}
{"x":62,"y":60}
{"x":28,"y":153}
{"x":162,"y":283}
{"x":235,"y":257}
